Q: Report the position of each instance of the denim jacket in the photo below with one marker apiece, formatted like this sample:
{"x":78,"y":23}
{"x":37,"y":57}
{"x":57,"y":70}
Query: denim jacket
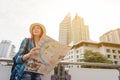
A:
{"x":18,"y":71}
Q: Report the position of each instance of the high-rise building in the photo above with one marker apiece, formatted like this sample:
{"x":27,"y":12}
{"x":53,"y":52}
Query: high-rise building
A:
{"x":73,"y":31}
{"x":64,"y":30}
{"x":79,"y":31}
{"x":111,"y":36}
{"x":7,"y":50}
{"x":12,"y":52}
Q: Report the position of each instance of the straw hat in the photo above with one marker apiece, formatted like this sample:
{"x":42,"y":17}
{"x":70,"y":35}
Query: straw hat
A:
{"x":37,"y":24}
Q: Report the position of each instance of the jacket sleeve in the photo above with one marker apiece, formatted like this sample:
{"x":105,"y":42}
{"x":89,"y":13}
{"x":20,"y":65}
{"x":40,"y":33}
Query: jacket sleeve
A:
{"x":18,"y":57}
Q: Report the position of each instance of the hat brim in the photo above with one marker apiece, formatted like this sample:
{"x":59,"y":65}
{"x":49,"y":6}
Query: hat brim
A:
{"x":37,"y":24}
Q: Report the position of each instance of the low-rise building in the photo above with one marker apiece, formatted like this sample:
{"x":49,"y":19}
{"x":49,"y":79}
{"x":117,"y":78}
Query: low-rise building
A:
{"x":110,"y":50}
{"x":112,"y":36}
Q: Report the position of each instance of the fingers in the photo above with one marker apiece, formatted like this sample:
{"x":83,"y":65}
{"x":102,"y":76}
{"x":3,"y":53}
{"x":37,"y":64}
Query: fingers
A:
{"x":34,"y":51}
{"x":35,"y":48}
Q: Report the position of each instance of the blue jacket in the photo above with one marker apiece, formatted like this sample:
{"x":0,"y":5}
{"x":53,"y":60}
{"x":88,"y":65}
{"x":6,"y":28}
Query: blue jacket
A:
{"x":18,"y":71}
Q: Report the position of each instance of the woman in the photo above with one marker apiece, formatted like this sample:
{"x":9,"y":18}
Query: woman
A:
{"x":19,"y":73}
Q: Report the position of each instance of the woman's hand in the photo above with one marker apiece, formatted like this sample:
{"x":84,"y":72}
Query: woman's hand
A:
{"x":33,"y":51}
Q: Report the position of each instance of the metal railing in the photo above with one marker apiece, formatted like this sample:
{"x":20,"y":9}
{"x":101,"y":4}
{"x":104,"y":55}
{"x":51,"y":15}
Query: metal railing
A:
{"x":6,"y":60}
{"x":115,"y":66}
{"x":68,"y":77}
{"x":91,"y":64}
{"x":77,"y":63}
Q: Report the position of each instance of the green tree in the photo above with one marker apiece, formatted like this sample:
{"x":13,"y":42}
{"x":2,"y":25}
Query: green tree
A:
{"x":61,"y":71}
{"x":90,"y":56}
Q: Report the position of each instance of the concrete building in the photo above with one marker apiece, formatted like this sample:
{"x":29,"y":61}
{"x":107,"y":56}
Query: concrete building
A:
{"x":112,"y":36}
{"x":64,"y":30}
{"x":73,"y":31}
{"x":7,"y":50}
{"x":110,"y":50}
{"x":12,"y":52}
{"x":79,"y":31}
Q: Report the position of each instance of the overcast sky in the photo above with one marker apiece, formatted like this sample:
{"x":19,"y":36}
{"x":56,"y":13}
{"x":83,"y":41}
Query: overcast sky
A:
{"x":17,"y":15}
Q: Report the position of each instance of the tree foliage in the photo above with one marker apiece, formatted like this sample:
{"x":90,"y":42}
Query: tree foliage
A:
{"x":90,"y":56}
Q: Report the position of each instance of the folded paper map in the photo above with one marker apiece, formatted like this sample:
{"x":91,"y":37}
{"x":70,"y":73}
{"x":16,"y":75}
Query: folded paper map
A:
{"x":50,"y":53}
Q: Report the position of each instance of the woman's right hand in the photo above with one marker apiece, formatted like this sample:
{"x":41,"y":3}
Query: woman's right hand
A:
{"x":34,"y":51}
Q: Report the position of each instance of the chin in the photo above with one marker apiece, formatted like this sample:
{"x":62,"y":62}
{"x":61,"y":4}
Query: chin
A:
{"x":36,"y":34}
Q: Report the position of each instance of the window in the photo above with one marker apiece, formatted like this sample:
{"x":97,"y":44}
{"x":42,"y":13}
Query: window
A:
{"x":77,"y":56}
{"x":109,"y":56}
{"x":77,"y":51}
{"x":108,"y":50}
{"x":114,"y":56}
{"x":118,"y":51}
{"x":113,"y":51}
{"x":115,"y":62}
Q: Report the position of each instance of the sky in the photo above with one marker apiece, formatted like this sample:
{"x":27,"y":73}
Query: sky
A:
{"x":16,"y":16}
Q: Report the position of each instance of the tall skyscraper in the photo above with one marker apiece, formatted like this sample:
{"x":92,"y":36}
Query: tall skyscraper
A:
{"x":64,"y":30}
{"x":79,"y":31}
{"x":112,"y":36}
{"x":73,"y":31}
{"x":6,"y":49}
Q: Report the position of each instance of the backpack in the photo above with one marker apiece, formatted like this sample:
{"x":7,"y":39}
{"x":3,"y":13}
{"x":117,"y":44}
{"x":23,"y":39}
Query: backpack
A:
{"x":25,"y":51}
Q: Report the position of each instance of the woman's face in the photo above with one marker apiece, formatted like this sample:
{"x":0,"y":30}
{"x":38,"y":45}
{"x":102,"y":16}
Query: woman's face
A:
{"x":36,"y":31}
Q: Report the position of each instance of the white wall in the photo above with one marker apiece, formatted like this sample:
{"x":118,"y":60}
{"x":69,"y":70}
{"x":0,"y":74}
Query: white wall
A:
{"x":5,"y":73}
{"x":93,"y":74}
{"x":76,"y":74}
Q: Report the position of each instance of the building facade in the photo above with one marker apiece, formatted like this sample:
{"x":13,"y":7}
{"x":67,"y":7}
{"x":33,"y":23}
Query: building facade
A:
{"x":73,"y":30}
{"x":79,"y":31}
{"x":64,"y":30}
{"x":7,"y":50}
{"x":110,"y":50}
{"x":111,"y":36}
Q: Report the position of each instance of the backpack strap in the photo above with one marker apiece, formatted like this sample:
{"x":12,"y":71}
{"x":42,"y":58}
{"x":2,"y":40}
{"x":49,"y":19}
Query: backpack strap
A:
{"x":26,"y":47}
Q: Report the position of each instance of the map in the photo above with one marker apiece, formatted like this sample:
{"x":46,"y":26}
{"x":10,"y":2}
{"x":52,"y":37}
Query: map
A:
{"x":50,"y":53}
